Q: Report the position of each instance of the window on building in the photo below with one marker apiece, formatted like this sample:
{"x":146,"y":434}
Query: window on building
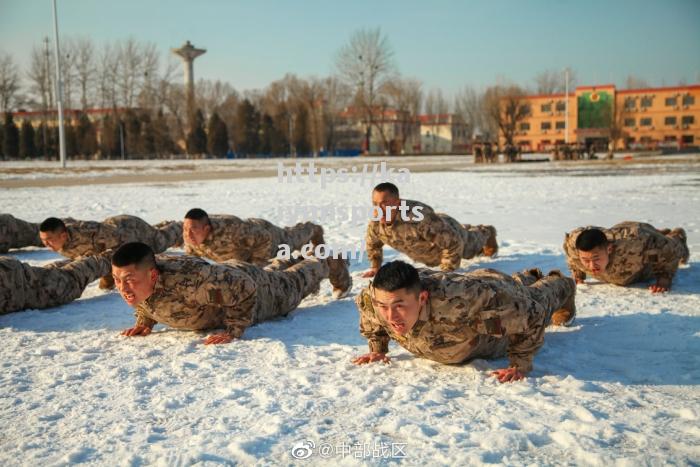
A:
{"x":688,"y":119}
{"x":561,"y":106}
{"x":645,"y":122}
{"x":687,"y":139}
{"x":560,"y":125}
{"x":629,"y":122}
{"x":671,"y":101}
{"x":546,"y":107}
{"x":629,"y":103}
{"x":646,"y":101}
{"x":670,"y":121}
{"x":524,"y":127}
{"x":688,"y":100}
{"x":546,"y":126}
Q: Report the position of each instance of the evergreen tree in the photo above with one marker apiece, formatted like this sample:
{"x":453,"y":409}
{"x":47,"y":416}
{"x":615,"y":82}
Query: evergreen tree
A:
{"x":40,"y":140}
{"x":197,"y":137}
{"x":11,"y":137}
{"x":71,"y":139}
{"x":248,"y":128}
{"x":132,"y":130}
{"x":217,"y":136}
{"x":86,"y":136}
{"x":148,"y":144}
{"x":2,"y":139}
{"x":161,"y":134}
{"x":301,"y":132}
{"x":273,"y":140}
{"x":27,"y":150}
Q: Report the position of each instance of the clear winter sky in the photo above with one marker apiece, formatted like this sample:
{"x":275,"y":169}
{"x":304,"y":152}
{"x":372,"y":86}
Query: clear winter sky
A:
{"x":444,"y":43}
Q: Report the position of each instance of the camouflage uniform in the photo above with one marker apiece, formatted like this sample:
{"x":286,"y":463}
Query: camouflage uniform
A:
{"x":480,"y":314}
{"x":252,"y":240}
{"x":640,"y":252}
{"x":438,"y":239}
{"x":193,"y":294}
{"x":25,"y":287}
{"x":91,"y":237}
{"x":16,"y":233}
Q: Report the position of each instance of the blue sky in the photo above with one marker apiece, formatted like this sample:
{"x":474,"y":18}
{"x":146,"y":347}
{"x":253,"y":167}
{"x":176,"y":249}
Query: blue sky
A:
{"x":446,"y":44}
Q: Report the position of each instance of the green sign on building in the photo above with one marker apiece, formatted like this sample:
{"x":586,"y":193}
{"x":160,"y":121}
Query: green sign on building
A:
{"x":594,"y":109}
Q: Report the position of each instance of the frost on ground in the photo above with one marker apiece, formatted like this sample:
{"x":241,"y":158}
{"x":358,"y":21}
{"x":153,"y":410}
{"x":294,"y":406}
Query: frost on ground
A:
{"x":619,"y":387}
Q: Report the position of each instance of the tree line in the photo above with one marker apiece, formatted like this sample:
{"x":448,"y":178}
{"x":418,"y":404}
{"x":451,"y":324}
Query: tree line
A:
{"x":296,"y":115}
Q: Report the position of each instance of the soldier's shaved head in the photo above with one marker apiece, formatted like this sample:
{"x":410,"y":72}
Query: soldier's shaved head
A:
{"x":53,"y":233}
{"x":135,"y":253}
{"x":387,"y":187}
{"x":397,"y":275}
{"x":590,"y":239}
{"x":398,"y":296}
{"x":594,"y":250}
{"x":196,"y":227}
{"x":134,"y":271}
{"x":52,"y":224}
{"x":198,"y":214}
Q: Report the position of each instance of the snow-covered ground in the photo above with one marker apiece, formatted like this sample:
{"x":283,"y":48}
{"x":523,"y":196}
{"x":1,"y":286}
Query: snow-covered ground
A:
{"x":618,"y":388}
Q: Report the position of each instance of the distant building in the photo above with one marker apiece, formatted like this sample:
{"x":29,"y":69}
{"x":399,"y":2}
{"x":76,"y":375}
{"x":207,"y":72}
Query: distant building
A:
{"x":393,"y":131}
{"x":443,"y":133}
{"x":648,"y":118}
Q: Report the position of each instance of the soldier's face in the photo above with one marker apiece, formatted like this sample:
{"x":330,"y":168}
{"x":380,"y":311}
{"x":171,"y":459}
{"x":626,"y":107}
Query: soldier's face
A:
{"x":54,"y":240}
{"x":596,"y":260}
{"x":135,"y":285}
{"x":194,"y":231}
{"x":382,"y":200}
{"x":400,"y":309}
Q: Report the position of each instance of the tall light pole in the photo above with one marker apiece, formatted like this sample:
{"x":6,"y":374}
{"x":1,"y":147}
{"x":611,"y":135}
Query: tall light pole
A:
{"x":566,"y":105}
{"x":59,"y":91}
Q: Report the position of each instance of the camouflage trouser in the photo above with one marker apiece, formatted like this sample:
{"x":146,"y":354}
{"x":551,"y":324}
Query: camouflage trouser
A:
{"x":553,"y":291}
{"x":283,"y":284}
{"x":681,"y":239}
{"x":473,"y":236}
{"x":297,"y":236}
{"x":16,"y":233}
{"x":167,"y":234}
{"x":549,"y":293}
{"x":30,"y":287}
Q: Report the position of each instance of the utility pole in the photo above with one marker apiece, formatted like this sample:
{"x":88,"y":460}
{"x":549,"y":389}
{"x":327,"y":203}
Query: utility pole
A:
{"x":566,"y":104}
{"x":59,"y":91}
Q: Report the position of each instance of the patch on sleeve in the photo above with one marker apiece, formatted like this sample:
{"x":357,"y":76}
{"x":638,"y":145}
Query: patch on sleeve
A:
{"x":215,"y":296}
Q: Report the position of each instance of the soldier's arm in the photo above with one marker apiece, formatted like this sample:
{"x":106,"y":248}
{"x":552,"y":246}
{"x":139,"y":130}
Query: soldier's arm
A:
{"x":236,"y":299}
{"x":370,"y":327}
{"x":572,"y":259}
{"x":143,"y":325}
{"x":374,"y":247}
{"x":434,"y":229}
{"x":662,"y":255}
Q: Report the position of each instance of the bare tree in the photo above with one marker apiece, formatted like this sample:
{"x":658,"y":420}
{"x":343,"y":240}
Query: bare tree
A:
{"x":435,"y":103}
{"x":469,"y":104}
{"x":405,"y":96}
{"x":633,"y":82}
{"x":337,"y":95}
{"x":85,"y":70}
{"x":365,"y":63}
{"x":107,"y":77}
{"x":505,"y":107}
{"x":554,"y":81}
{"x":40,"y":76}
{"x":9,"y":82}
{"x":129,"y":74}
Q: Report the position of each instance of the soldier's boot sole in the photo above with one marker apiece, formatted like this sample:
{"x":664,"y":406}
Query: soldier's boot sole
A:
{"x":566,"y":315}
{"x":317,"y":236}
{"x":339,"y":276}
{"x":491,"y":247}
{"x":106,"y":282}
{"x":683,"y":237}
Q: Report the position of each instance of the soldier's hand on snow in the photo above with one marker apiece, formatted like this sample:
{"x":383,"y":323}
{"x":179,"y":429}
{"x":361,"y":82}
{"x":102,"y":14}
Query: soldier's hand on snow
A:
{"x":370,"y":272}
{"x":508,"y":375}
{"x":221,"y":338}
{"x":370,"y":358}
{"x":136,"y":331}
{"x":662,"y":285}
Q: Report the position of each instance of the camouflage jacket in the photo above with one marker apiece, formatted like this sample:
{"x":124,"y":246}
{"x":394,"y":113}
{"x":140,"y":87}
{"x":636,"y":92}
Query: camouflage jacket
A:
{"x":191,"y":293}
{"x":481,"y":314}
{"x":90,"y":237}
{"x":640,"y":252}
{"x":432,"y":241}
{"x":251,"y":240}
